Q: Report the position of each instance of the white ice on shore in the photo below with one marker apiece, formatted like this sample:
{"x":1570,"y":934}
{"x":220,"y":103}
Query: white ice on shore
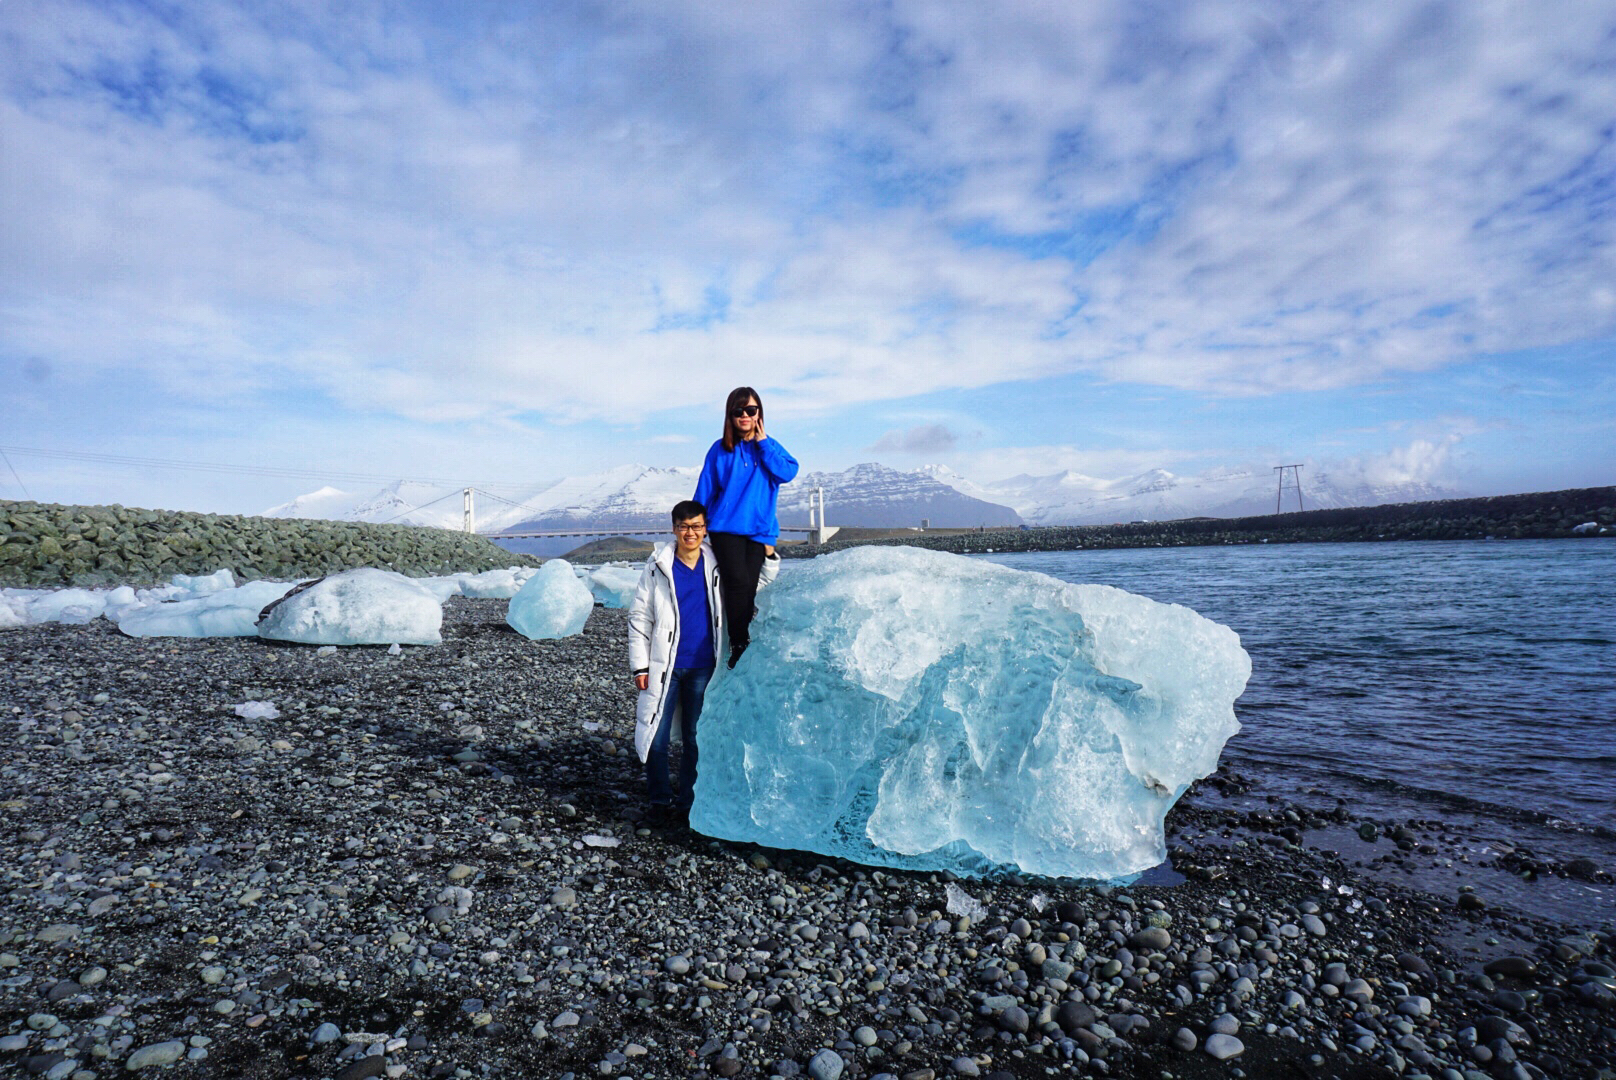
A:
{"x":224,"y":613}
{"x":358,"y":607}
{"x":211,"y":605}
{"x":614,"y":586}
{"x":202,"y":584}
{"x":553,"y":604}
{"x":923,"y":710}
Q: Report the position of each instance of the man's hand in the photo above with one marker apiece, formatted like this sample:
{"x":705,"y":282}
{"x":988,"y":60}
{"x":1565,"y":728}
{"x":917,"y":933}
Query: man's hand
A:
{"x":641,"y":682}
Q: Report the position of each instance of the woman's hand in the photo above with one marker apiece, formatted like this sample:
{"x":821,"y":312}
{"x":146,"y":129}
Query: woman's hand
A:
{"x":757,"y":430}
{"x":642,"y":682}
{"x":768,"y":550}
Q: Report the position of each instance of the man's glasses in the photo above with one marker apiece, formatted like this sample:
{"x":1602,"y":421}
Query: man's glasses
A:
{"x":745,"y":410}
{"x":690,"y":528}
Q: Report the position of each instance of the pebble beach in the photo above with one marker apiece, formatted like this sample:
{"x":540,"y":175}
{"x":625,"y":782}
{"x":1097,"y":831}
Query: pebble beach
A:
{"x":433,"y":864}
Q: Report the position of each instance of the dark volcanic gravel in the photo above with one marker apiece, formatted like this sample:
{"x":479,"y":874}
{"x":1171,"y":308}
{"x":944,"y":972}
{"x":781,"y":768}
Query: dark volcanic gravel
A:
{"x":430,"y":865}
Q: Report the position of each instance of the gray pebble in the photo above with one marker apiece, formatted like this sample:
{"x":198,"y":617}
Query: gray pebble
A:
{"x":825,"y":1065}
{"x":677,"y":965}
{"x":1358,"y":990}
{"x":964,"y":1066}
{"x":1184,"y":1039}
{"x":1224,"y":1047}
{"x":163,"y":1053}
{"x":1152,"y":939}
{"x":326,"y":1032}
{"x":1226,"y":1024}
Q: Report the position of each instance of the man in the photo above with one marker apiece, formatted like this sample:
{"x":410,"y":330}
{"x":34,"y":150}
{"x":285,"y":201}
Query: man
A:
{"x":675,"y":632}
{"x":674,"y":627}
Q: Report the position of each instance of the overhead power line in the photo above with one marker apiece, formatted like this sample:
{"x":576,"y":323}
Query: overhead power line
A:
{"x":14,"y":475}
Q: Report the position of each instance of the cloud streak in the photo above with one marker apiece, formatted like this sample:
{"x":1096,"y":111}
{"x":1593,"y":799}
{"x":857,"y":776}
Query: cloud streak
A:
{"x":581,"y":213}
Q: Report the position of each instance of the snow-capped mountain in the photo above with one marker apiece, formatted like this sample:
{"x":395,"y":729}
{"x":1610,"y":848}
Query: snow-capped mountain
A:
{"x":627,"y":496}
{"x":872,"y":495}
{"x":1067,"y":498}
{"x":637,"y":496}
{"x":875,"y":496}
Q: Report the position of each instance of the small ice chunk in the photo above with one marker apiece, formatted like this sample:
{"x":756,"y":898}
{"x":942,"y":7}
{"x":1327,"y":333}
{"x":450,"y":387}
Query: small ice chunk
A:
{"x":358,"y":607}
{"x":596,"y":840}
{"x":491,"y":584}
{"x":593,"y":725}
{"x":961,"y":902}
{"x":12,"y":613}
{"x":394,"y":649}
{"x":74,"y":607}
{"x":224,"y":613}
{"x":553,"y":603}
{"x":202,"y":584}
{"x":614,"y":586}
{"x":257,"y":710}
{"x":443,"y":587}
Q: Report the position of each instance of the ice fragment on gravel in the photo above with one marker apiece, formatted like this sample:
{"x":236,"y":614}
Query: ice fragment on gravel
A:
{"x":961,"y":902}
{"x":614,"y":586}
{"x":394,"y":649}
{"x":202,"y":584}
{"x":930,"y":711}
{"x":553,"y":603}
{"x":358,"y":607}
{"x":495,"y":584}
{"x":593,"y":840}
{"x":221,"y":613}
{"x":257,"y":710}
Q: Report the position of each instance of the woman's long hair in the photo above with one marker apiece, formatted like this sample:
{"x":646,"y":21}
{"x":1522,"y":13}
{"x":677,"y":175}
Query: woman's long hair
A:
{"x":737,"y":398}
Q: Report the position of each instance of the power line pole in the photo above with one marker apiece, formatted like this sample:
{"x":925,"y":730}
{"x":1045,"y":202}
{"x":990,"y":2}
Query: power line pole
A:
{"x":1296,"y":478}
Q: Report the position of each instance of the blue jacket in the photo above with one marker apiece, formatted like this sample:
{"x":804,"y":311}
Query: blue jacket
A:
{"x":739,"y":487}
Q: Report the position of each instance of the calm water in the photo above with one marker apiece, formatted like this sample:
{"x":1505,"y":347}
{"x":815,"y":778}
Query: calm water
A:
{"x":1461,"y":677}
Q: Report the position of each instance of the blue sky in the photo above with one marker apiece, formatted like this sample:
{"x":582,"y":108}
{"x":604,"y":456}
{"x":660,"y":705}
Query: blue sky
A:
{"x":509,"y":242}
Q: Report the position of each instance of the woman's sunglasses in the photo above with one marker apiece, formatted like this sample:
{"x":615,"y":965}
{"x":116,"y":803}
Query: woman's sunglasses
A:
{"x":744,"y":410}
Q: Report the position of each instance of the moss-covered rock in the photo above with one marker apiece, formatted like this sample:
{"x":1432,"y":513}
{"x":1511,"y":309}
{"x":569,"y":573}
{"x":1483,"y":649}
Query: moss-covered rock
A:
{"x":44,"y":544}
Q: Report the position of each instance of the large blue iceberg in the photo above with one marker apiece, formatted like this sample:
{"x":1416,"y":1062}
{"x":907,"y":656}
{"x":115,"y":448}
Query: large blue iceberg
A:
{"x":911,"y":708}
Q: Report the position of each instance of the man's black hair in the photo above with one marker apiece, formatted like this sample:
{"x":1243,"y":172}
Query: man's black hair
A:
{"x":688,"y":509}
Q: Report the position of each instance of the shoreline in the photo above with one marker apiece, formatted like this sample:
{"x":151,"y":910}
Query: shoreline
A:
{"x":1534,"y":516}
{"x":438,"y":854}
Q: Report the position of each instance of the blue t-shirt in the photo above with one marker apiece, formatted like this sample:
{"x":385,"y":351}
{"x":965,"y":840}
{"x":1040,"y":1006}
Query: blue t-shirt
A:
{"x":695,"y":622}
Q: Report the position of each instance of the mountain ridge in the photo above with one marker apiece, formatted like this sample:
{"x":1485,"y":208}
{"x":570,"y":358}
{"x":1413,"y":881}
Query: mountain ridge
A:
{"x":867,"y":494}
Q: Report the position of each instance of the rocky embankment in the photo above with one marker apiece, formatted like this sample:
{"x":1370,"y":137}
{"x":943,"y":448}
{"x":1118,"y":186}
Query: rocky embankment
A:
{"x":1503,"y":517}
{"x":45,"y":544}
{"x":432,"y":865}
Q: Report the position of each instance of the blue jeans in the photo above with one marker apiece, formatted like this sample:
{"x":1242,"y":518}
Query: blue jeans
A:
{"x":687,"y":687}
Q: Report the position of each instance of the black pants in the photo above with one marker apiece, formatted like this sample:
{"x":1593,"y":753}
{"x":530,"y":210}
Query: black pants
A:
{"x":740,"y":561}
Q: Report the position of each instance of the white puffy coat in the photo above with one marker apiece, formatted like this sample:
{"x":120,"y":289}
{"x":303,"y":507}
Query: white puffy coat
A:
{"x":653,"y":632}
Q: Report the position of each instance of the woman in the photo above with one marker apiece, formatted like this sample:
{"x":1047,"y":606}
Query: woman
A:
{"x":739,"y":485}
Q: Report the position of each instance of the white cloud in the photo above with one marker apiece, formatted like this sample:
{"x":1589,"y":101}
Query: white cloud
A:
{"x":1422,"y":461}
{"x":577,"y":217}
{"x":924,"y":439}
